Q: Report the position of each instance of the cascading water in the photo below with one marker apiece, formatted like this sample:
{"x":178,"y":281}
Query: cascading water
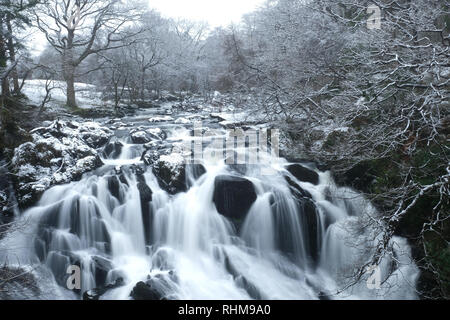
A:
{"x":299,"y":240}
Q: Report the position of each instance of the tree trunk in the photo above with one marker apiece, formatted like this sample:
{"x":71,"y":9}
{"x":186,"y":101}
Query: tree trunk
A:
{"x":71,"y":100}
{"x":143,"y":84}
{"x":3,"y":64}
{"x":12,"y":55}
{"x":69,"y":71}
{"x":116,"y":96}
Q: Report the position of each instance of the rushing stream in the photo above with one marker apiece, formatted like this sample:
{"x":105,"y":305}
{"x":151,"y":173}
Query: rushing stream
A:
{"x":299,"y":240}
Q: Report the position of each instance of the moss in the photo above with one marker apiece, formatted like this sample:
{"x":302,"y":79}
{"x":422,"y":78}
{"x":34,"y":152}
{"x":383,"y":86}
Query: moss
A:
{"x":11,"y":136}
{"x":439,"y":257}
{"x":333,"y":139}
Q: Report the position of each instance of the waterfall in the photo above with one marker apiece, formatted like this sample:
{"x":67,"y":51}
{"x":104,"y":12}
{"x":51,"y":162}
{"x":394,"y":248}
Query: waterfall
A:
{"x":298,"y":240}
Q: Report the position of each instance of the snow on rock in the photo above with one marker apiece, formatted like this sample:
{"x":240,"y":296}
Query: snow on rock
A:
{"x":170,"y":171}
{"x":161,"y":119}
{"x":182,"y":121}
{"x":140,"y":137}
{"x":157,"y":133}
{"x":59,"y":153}
{"x":94,"y":135}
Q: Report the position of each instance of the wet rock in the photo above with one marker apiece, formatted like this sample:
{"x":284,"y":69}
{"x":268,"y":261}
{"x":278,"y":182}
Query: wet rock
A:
{"x":241,"y":281}
{"x":311,"y":225}
{"x":112,"y":150}
{"x":170,"y":171}
{"x":159,"y":287}
{"x":303,"y":174}
{"x":58,"y":262}
{"x":145,"y":192}
{"x":195,"y":170}
{"x":102,"y":267}
{"x":249,"y":287}
{"x":114,"y":187}
{"x":140,"y":137}
{"x":146,"y":197}
{"x":297,"y":191}
{"x":233,"y":196}
{"x":146,"y":291}
{"x":95,"y":294}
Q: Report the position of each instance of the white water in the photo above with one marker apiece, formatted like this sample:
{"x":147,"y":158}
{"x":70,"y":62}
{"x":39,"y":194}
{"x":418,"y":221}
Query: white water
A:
{"x":191,"y":240}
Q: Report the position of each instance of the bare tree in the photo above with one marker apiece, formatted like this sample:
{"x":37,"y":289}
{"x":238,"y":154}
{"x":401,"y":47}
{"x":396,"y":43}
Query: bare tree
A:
{"x":81,"y":28}
{"x":115,"y":73}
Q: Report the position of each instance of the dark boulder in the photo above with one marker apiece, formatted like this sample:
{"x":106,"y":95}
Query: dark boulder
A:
{"x":96,"y":293}
{"x":233,"y":196}
{"x":146,"y":196}
{"x":112,"y":150}
{"x":170,"y":171}
{"x":297,"y":191}
{"x":242,"y":281}
{"x":303,"y":174}
{"x":145,"y":193}
{"x":146,"y":291}
{"x":311,"y":228}
{"x":194,"y":172}
{"x":114,"y":187}
{"x":101,"y":267}
{"x":93,"y":294}
{"x":140,"y":137}
{"x":249,"y":287}
{"x":309,"y":218}
{"x":58,"y":262}
{"x":197,"y":170}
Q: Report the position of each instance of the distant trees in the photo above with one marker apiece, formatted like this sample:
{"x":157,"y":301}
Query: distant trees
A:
{"x":133,"y":55}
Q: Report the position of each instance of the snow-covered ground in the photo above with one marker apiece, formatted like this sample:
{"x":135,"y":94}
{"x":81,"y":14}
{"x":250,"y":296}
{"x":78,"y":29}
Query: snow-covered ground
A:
{"x":88,"y":96}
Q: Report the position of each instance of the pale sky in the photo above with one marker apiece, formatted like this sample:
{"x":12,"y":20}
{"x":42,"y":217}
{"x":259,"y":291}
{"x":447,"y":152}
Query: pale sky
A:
{"x":215,"y":12}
